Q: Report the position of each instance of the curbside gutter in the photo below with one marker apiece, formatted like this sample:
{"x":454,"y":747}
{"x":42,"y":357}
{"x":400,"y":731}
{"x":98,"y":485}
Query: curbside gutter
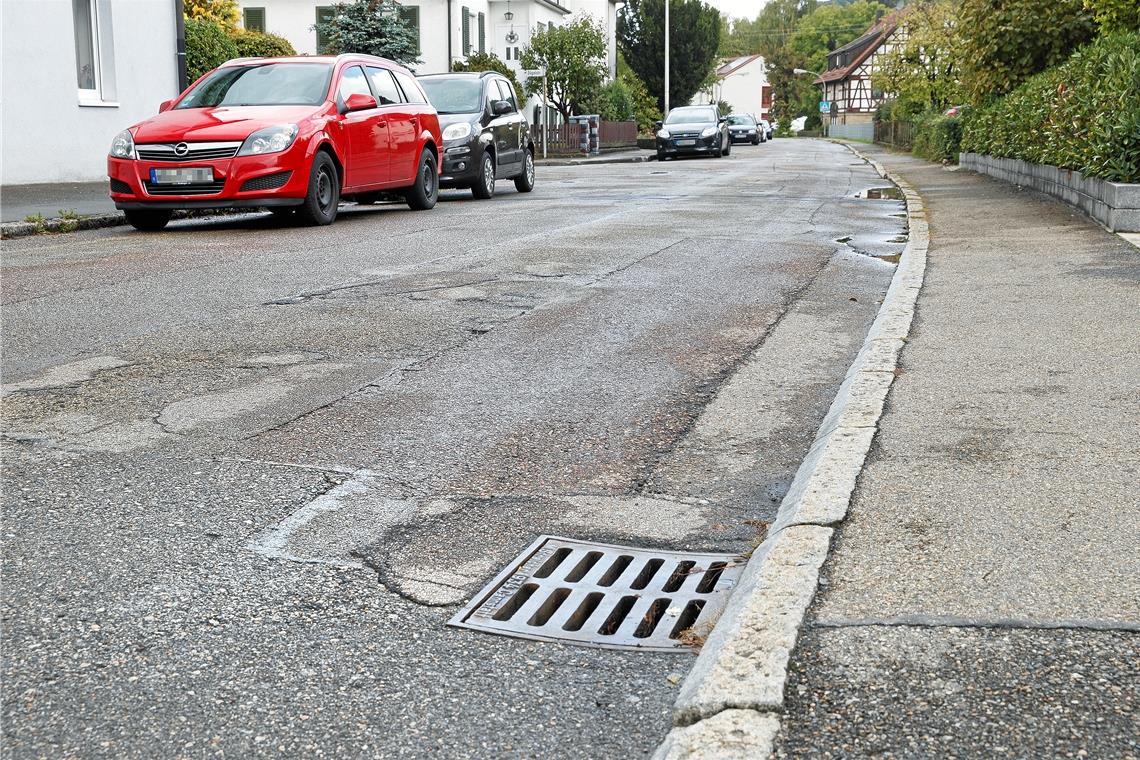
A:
{"x":729,"y":705}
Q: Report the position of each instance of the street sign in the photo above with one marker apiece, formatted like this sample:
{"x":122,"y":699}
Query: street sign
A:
{"x":528,"y":73}
{"x":824,"y":106}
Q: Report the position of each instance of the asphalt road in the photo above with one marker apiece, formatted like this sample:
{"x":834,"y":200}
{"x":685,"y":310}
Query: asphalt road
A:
{"x":632,"y":353}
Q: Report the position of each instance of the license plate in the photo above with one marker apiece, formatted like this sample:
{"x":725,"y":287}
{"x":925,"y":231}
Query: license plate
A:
{"x":686,"y":142}
{"x":181,"y":176}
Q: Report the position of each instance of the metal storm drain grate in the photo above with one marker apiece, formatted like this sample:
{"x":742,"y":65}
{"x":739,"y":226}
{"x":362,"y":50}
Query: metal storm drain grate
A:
{"x":601,"y":595}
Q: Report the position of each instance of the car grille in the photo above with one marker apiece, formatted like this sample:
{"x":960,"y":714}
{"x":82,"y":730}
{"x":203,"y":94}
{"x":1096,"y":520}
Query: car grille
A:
{"x":205,"y":151}
{"x":118,"y":186}
{"x":268,"y":182}
{"x":685,"y":135}
{"x":198,"y":188}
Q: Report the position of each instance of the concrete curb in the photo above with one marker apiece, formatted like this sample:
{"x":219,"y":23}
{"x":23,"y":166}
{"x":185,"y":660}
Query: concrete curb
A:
{"x":9,"y":230}
{"x":589,"y":161}
{"x":729,"y":704}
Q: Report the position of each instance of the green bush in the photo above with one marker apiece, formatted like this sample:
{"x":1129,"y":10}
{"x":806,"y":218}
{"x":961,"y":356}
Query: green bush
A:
{"x":252,"y":44}
{"x":1083,"y":114}
{"x":937,"y":137}
{"x":207,"y":47}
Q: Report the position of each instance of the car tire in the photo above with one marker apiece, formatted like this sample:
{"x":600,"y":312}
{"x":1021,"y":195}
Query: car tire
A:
{"x":524,"y":183}
{"x":425,"y":192}
{"x":755,"y":140}
{"x":661,"y":156}
{"x":320,"y":205}
{"x":148,"y":220}
{"x":484,"y":186}
{"x":728,"y":147}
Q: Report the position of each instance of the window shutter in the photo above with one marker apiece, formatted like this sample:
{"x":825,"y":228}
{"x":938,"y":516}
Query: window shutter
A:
{"x":324,"y":13}
{"x":482,"y":33}
{"x":466,"y":32}
{"x":253,"y":19}
{"x":410,"y":15}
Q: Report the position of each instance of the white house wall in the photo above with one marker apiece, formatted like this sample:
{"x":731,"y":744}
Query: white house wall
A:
{"x":47,"y":135}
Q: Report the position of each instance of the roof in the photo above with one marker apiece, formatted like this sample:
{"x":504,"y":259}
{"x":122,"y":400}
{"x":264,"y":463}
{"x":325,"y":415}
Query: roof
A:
{"x":736,"y":64}
{"x":314,"y":59}
{"x":877,"y":35}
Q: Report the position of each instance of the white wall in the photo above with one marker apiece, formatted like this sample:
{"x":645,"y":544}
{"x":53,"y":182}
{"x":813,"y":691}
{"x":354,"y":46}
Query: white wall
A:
{"x":47,"y":135}
{"x":743,"y":89}
{"x":291,"y":19}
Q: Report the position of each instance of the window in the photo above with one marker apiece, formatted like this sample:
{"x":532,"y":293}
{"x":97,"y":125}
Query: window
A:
{"x":352,"y":81}
{"x":324,"y":13}
{"x":491,"y":94}
{"x":262,"y":84}
{"x":466,"y":31}
{"x":506,"y":93}
{"x":94,"y":46}
{"x":482,"y":33}
{"x":383,"y":86}
{"x":253,"y":19}
{"x":412,"y":91}
{"x":410,"y":15}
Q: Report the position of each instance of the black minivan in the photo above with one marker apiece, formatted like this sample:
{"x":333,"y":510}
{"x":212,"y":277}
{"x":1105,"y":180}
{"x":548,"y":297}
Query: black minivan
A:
{"x":485,"y":135}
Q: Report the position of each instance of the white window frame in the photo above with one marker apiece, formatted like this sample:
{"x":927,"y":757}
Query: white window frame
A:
{"x":104,"y":94}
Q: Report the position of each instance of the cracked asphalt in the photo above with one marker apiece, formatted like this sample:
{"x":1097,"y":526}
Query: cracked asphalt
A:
{"x":251,"y":470}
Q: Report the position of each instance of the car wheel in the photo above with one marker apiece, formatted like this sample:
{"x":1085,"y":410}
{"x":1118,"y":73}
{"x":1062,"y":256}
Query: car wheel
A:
{"x":728,"y":147}
{"x":524,"y":183}
{"x":425,"y":192}
{"x":661,"y":156}
{"x":755,"y":140}
{"x":323,"y":196}
{"x":484,"y":186}
{"x":148,"y":220}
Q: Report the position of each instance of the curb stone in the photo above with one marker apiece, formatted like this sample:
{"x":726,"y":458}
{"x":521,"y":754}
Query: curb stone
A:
{"x":729,"y":704}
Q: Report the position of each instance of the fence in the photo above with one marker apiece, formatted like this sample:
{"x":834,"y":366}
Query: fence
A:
{"x":566,"y":139}
{"x":897,"y":134}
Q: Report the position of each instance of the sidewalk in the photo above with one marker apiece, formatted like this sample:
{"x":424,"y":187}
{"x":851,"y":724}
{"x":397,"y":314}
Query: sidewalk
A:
{"x":84,"y":198}
{"x":632,"y":156}
{"x":982,"y":599}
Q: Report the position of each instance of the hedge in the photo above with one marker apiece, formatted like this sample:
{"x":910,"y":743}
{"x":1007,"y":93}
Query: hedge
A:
{"x":257,"y":44}
{"x":937,"y":137}
{"x":1083,"y":114}
{"x":207,"y":47}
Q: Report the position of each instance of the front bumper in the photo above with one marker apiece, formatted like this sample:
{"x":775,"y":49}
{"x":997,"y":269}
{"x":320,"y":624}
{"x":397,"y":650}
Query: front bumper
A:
{"x":460,"y":163}
{"x":744,"y":136}
{"x":275,"y":179}
{"x":674,"y":145}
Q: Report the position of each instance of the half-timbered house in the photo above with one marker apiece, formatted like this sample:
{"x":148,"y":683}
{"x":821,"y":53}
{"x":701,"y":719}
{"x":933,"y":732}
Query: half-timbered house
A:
{"x":849,"y":81}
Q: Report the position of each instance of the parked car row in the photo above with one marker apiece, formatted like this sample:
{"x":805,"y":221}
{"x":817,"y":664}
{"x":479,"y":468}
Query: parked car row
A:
{"x":702,"y":130}
{"x":299,"y":134}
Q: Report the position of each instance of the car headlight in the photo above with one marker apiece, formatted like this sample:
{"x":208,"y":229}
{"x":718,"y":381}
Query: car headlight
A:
{"x":709,"y":131}
{"x":457,"y":131}
{"x":269,"y":140}
{"x":663,"y":134}
{"x":123,"y":146}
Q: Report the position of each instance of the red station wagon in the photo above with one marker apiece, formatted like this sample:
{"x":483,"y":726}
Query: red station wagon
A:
{"x":295,"y":135}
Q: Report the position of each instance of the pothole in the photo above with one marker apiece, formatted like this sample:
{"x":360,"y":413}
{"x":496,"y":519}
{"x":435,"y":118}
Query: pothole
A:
{"x":880,"y":193}
{"x":603,"y":595}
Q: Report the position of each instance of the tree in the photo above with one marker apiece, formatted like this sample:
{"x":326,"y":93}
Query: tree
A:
{"x":1115,"y":15}
{"x":923,"y":72}
{"x":372,"y":27}
{"x":488,"y":62}
{"x":574,"y":58}
{"x":693,"y":41}
{"x":224,"y":13}
{"x":1004,"y":42}
{"x":207,"y":47}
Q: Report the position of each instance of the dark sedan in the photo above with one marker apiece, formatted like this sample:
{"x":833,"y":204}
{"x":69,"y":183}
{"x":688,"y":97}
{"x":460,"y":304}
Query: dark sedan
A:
{"x":485,"y":135}
{"x":743,"y":128}
{"x":693,"y":130}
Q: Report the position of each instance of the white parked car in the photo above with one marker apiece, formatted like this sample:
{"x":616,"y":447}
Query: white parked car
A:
{"x":767,"y":126}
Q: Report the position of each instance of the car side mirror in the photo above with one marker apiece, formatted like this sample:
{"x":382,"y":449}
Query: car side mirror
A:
{"x":501,"y":107}
{"x":358,"y":101}
{"x":658,"y":125}
{"x":165,"y":105}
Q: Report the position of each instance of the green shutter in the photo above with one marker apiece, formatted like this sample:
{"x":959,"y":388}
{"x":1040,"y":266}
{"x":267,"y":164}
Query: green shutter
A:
{"x":466,"y":32}
{"x":324,"y":13}
{"x":253,"y":19}
{"x":482,"y":33}
{"x":410,"y":15}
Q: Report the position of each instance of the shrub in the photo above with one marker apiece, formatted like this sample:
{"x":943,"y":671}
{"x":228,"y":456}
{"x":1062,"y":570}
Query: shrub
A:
{"x":937,"y":137}
{"x":1083,"y":114}
{"x":252,"y":44}
{"x":207,"y":47}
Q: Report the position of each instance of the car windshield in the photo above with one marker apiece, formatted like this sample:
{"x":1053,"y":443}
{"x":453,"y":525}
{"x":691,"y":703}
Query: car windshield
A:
{"x":266,"y":84}
{"x":747,"y":120}
{"x":690,"y":116}
{"x":454,"y":95}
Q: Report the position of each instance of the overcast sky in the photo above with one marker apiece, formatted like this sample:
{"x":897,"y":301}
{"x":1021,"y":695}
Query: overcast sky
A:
{"x":738,"y":8}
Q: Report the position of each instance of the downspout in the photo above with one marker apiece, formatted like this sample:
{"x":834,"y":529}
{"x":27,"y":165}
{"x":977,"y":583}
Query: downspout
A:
{"x":180,"y":44}
{"x":449,"y":59}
